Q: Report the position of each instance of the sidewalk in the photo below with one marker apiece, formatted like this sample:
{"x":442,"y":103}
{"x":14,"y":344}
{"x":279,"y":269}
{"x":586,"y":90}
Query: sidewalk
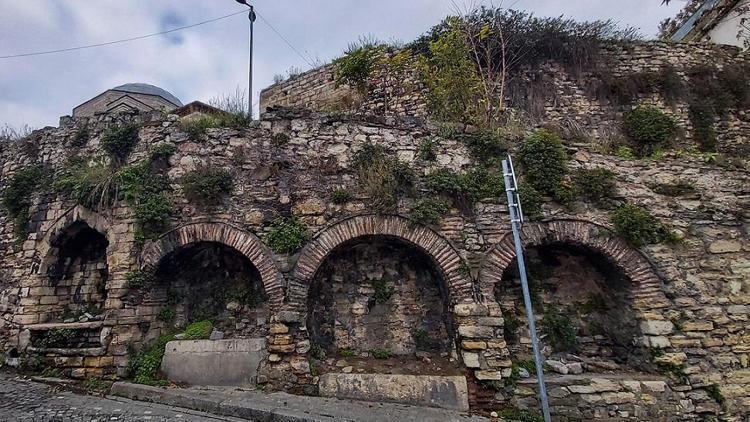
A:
{"x":283,"y":407}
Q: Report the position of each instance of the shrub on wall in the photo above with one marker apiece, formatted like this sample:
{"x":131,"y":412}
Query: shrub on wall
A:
{"x":18,"y":193}
{"x":93,"y":185}
{"x":638,"y":226}
{"x":702,"y":116}
{"x":355,"y":67}
{"x":543,"y":158}
{"x":467,"y":188}
{"x":286,"y":235}
{"x":119,"y":141}
{"x":650,"y":128}
{"x":207,"y":185}
{"x":426,"y":150}
{"x":81,"y":137}
{"x":144,"y":190}
{"x":531,"y":201}
{"x":428,"y":211}
{"x":453,"y":83}
{"x":596,"y":184}
{"x":487,"y":148}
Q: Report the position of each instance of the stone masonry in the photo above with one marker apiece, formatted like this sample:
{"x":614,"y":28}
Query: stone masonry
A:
{"x":691,"y":300}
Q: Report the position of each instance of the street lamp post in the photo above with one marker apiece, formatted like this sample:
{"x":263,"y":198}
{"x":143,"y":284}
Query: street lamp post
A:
{"x":251,"y":17}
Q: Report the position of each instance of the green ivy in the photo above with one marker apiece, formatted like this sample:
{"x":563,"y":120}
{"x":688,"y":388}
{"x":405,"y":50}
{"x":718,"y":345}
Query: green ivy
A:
{"x":137,"y":278}
{"x":428,"y":211}
{"x":559,"y":330}
{"x":426,"y":149}
{"x":649,"y":128}
{"x":638,"y":226}
{"x":346,"y":352}
{"x":279,"y":139}
{"x":144,"y":365}
{"x":286,"y":235}
{"x":144,"y":190}
{"x":119,"y":141}
{"x":531,"y":201}
{"x":207,"y":185}
{"x":544,"y":161}
{"x":383,"y":291}
{"x":18,"y":194}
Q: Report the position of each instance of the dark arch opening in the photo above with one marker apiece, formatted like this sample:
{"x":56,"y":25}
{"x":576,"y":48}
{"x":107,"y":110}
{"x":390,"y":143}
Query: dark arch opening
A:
{"x":78,"y":271}
{"x":583,"y":307}
{"x":211,"y":281}
{"x":380,"y":294}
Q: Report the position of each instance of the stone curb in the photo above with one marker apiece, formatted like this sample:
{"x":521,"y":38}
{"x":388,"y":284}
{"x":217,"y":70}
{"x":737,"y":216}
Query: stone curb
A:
{"x":282,"y":407}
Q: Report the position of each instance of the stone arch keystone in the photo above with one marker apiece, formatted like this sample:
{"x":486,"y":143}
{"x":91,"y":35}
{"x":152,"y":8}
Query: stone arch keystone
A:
{"x":245,"y":243}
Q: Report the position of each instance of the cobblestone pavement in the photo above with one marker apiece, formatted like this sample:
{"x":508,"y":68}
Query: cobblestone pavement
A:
{"x":26,"y":401}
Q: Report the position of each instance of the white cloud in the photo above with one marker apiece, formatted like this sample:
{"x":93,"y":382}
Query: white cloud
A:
{"x":212,"y":59}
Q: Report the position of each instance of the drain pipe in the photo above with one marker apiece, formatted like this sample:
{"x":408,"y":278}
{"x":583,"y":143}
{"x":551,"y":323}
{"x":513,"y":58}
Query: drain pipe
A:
{"x":516,"y":219}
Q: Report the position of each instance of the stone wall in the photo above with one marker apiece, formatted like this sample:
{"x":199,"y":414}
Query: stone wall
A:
{"x":691,"y":300}
{"x":547,"y":94}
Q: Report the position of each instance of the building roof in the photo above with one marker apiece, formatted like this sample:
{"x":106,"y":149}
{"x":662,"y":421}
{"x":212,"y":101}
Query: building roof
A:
{"x":141,"y":88}
{"x":197,"y":107}
{"x":703,"y":20}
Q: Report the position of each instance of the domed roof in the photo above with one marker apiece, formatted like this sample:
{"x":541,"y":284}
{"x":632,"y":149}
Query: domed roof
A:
{"x":140,"y":88}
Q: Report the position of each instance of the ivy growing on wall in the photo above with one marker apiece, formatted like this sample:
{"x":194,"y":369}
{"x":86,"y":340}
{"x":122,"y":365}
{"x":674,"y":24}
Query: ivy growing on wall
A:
{"x":428,"y":211}
{"x":18,"y":194}
{"x":119,"y":141}
{"x":543,"y":158}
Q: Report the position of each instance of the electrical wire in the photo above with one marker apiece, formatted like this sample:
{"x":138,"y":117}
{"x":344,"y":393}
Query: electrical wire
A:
{"x":63,"y":50}
{"x":308,"y":61}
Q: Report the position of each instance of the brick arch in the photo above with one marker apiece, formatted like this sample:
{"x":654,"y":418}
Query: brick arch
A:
{"x":443,"y":254}
{"x":73,"y":215}
{"x":646,"y":292}
{"x":245,"y":243}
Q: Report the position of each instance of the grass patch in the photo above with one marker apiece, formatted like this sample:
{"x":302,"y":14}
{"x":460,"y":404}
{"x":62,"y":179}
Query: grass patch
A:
{"x":207,"y":185}
{"x":381,"y":353}
{"x":382,"y":176}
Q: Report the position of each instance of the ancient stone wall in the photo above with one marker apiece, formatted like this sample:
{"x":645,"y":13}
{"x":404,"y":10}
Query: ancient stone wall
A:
{"x":548,"y":94}
{"x":690,"y":300}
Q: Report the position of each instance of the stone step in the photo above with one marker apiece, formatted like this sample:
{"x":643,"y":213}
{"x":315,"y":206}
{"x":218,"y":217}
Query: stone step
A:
{"x":260,"y":406}
{"x":415,"y":390}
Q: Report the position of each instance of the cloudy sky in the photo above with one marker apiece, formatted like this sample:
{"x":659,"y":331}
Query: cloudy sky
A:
{"x":201,"y":62}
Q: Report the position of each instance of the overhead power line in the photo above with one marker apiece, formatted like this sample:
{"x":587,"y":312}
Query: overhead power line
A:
{"x":155,"y":34}
{"x":309,"y":62}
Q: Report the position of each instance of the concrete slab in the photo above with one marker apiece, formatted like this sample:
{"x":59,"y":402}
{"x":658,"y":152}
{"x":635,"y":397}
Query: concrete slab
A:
{"x":417,"y":390}
{"x":214,"y":362}
{"x":260,"y":406}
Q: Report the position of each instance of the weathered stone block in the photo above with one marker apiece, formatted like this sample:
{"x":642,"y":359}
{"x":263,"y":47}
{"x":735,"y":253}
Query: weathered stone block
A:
{"x":656,"y":328}
{"x":432,"y":391}
{"x":475,"y":331}
{"x":207,"y":362}
{"x":725,"y":246}
{"x":488,"y":375}
{"x":470,"y":309}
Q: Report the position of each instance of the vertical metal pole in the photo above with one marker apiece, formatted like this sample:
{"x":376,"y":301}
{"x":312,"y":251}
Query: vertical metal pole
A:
{"x":515,"y":220}
{"x":251,"y":17}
